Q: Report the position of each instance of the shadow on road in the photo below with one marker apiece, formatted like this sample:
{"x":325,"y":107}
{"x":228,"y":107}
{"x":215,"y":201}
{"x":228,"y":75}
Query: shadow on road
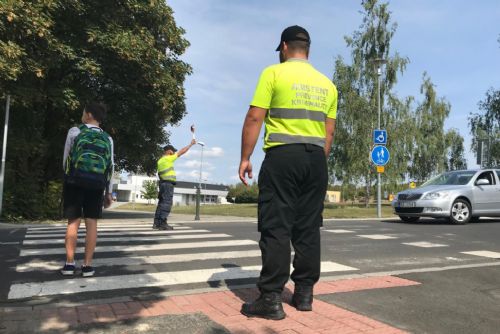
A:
{"x":244,"y":289}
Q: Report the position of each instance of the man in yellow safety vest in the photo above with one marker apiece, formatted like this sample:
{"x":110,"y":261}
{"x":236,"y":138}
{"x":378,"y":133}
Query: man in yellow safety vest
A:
{"x":166,"y":173}
{"x":298,"y":105}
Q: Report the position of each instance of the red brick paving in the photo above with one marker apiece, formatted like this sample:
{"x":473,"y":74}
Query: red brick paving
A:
{"x":223,"y":307}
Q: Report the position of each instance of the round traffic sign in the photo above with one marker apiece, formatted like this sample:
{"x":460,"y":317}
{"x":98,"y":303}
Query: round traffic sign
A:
{"x":380,"y":155}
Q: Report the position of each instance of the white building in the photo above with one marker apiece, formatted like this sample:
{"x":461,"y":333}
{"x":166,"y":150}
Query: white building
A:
{"x":130,"y":190}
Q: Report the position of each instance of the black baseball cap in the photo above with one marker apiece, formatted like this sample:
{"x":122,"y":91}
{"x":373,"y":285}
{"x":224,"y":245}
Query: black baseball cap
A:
{"x":294,"y":33}
{"x":169,"y":147}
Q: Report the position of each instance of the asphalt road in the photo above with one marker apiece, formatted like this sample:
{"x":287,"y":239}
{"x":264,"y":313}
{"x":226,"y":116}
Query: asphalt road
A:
{"x":458,"y":267}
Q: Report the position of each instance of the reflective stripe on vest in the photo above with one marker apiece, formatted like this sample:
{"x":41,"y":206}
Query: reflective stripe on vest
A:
{"x":286,"y":113}
{"x":165,"y":171}
{"x":293,"y":139}
{"x":167,"y":177}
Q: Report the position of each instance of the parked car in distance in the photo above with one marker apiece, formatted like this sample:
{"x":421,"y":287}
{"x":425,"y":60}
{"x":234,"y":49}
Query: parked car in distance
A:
{"x":460,"y":196}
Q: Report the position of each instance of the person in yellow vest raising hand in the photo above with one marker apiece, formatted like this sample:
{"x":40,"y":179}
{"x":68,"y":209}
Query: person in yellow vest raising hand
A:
{"x":166,"y":173}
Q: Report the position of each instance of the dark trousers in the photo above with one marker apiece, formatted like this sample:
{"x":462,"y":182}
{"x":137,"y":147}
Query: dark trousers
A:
{"x":292,"y":187}
{"x":165,"y":195}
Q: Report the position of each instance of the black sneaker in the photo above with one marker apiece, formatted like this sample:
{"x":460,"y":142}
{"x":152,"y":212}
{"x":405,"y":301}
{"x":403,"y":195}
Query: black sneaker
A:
{"x":87,"y":271}
{"x":68,"y":270}
{"x":267,"y":306}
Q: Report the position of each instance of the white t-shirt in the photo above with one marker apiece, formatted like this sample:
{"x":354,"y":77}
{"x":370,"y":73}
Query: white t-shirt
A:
{"x":70,"y":139}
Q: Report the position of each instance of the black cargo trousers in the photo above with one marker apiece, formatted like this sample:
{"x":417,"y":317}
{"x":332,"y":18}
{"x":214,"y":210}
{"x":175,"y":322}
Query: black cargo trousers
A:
{"x":165,"y":196}
{"x":292,"y":186}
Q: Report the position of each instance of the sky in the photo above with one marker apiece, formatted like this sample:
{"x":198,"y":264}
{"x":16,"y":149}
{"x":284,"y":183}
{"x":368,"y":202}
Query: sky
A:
{"x":232,"y":41}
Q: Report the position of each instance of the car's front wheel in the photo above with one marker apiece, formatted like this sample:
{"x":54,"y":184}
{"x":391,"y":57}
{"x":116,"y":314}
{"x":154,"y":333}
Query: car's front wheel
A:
{"x":407,"y":219}
{"x":460,"y":212}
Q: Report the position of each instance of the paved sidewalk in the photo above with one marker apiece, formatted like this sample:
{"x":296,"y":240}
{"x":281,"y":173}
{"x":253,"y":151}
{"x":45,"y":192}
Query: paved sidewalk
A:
{"x":210,"y":312}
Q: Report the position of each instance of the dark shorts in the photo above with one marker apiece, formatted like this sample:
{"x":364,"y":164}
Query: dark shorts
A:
{"x":82,"y":203}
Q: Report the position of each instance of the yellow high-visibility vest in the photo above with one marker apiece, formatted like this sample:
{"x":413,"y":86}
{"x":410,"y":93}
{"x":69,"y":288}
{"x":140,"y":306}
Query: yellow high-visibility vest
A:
{"x":298,"y":99}
{"x":165,"y":167}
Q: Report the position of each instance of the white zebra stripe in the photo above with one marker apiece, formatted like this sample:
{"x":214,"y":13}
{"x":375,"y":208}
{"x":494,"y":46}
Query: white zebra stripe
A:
{"x":128,"y":239}
{"x":483,"y":253}
{"x":77,"y":285}
{"x":135,"y":248}
{"x":141,"y":260}
{"x":339,"y":231}
{"x":99,"y":224}
{"x":100,"y":234}
{"x":113,"y":229}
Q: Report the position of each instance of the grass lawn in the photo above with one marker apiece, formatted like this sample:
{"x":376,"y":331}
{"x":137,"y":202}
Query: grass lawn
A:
{"x":250,"y":210}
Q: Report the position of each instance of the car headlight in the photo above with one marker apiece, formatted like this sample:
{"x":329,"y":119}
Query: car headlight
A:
{"x":436,"y":195}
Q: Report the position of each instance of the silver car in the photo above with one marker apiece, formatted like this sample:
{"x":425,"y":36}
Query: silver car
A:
{"x":460,"y":196}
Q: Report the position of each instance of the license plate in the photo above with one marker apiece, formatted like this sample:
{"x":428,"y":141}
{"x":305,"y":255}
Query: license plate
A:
{"x":407,"y":204}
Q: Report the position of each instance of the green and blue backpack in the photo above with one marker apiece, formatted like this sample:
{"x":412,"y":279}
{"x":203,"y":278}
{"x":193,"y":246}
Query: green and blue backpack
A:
{"x":89,"y":161}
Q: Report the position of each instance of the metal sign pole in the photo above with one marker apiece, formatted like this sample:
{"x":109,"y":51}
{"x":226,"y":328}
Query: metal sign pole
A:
{"x":4,"y":151}
{"x":378,"y":62}
{"x":198,"y":188}
{"x":379,"y":178}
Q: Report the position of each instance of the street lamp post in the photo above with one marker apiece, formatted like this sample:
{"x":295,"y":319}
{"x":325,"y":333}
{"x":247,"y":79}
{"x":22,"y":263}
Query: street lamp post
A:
{"x":379,"y":62}
{"x":198,"y":188}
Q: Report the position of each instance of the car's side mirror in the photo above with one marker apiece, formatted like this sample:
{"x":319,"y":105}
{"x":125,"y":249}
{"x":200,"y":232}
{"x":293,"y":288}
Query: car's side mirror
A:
{"x":482,"y":182}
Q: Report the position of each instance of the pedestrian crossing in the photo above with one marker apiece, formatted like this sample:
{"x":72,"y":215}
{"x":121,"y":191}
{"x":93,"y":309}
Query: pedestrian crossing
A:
{"x":392,"y":237}
{"x":130,"y":256}
{"x":421,"y":244}
{"x":133,"y":256}
{"x":71,"y":286}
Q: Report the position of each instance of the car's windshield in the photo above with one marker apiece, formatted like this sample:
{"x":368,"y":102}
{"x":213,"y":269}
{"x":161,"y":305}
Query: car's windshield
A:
{"x":451,"y":178}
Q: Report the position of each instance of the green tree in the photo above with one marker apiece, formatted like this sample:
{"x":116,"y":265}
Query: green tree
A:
{"x":485,"y":126}
{"x":430,"y":141}
{"x":150,"y":190}
{"x":55,"y":55}
{"x":357,"y":85}
{"x":454,"y":159}
{"x":416,"y":138}
{"x":240,"y":193}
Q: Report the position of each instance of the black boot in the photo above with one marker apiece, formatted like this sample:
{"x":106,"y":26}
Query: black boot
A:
{"x":303,"y":297}
{"x":267,"y":306}
{"x":156,"y":225}
{"x":164,"y":226}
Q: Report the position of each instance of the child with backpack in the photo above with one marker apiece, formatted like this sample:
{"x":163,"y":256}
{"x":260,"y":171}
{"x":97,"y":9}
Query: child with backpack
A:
{"x":88,"y":166}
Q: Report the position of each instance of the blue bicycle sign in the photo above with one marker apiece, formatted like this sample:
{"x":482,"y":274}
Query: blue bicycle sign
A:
{"x":380,"y":155}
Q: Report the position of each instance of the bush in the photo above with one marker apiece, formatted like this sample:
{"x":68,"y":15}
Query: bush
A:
{"x":242,"y":194}
{"x":28,"y":201}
